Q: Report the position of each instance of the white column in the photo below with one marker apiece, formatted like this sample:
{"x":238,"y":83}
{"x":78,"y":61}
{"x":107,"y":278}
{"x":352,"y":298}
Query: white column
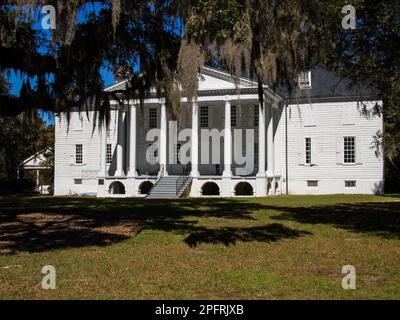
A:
{"x":270,"y":142}
{"x":120,"y":144}
{"x":163,"y":140}
{"x":227,"y":140}
{"x":103,"y":150}
{"x":261,"y":181}
{"x":261,"y":140}
{"x":132,"y":141}
{"x":37,"y":178}
{"x":271,"y":149}
{"x":195,"y":140}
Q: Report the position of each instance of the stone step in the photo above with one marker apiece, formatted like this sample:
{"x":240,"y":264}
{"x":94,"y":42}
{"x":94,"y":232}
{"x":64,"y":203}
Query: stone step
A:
{"x":165,"y":188}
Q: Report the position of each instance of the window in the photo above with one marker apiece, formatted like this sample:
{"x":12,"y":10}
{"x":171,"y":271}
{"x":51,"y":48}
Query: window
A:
{"x":350,"y":184}
{"x":101,"y":182}
{"x":176,"y":155}
{"x":233,"y":116}
{"x":349,"y":150}
{"x":78,"y":154}
{"x":256,"y":116}
{"x":312,"y":183}
{"x":152,"y":118}
{"x":204,"y":117}
{"x":77,"y":181}
{"x":305,"y":80}
{"x":109,"y":153}
{"x":308,"y":150}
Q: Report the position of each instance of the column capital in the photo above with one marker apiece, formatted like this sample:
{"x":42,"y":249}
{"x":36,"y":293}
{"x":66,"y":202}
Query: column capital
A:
{"x":162,"y":102}
{"x":227,"y":99}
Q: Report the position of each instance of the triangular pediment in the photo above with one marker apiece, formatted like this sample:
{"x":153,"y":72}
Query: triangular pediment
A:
{"x":212,"y":79}
{"x":209,"y":79}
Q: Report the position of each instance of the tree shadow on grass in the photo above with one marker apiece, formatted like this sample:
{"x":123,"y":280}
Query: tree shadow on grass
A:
{"x":43,"y":224}
{"x":229,"y":236}
{"x":379,"y":218}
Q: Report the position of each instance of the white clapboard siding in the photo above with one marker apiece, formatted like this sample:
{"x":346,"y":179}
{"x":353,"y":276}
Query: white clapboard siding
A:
{"x":327,"y":146}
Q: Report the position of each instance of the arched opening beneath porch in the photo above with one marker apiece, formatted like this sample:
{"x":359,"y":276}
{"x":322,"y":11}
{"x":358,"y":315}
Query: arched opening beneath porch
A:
{"x":210,"y":189}
{"x":146,"y":187}
{"x":244,"y":189}
{"x":116,"y":188}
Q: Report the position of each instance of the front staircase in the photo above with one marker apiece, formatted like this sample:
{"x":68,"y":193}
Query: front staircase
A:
{"x":170,"y":187}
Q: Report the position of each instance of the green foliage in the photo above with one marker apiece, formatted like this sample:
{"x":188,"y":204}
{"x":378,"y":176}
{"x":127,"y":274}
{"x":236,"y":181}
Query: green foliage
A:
{"x":21,"y":137}
{"x":141,"y":40}
{"x":371,"y":55}
{"x":20,"y":186}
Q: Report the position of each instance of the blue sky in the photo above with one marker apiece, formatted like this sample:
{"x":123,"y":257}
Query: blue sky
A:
{"x":16,"y":79}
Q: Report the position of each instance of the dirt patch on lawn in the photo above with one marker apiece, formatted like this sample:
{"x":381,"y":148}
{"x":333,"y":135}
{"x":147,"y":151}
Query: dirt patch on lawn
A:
{"x":35,"y":232}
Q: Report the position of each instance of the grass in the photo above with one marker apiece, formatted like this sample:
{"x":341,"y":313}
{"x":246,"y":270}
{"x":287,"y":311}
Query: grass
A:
{"x":289,"y":247}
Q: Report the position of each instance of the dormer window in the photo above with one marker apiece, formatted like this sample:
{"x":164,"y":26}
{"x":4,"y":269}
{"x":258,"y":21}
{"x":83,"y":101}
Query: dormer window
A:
{"x":305,"y":80}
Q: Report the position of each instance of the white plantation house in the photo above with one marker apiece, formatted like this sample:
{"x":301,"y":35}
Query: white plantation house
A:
{"x":227,"y":143}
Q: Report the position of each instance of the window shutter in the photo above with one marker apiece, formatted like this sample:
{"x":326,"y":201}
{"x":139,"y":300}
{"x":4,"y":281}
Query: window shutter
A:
{"x":301,"y":151}
{"x":339,"y":150}
{"x":314,"y":151}
{"x":212,"y":121}
{"x":84,"y":153}
{"x":359,"y":150}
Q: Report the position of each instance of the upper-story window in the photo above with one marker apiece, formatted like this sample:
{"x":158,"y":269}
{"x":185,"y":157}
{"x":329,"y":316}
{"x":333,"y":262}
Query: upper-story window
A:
{"x":152,"y":118}
{"x":233,"y":116}
{"x":308,"y":150}
{"x":256,"y":116}
{"x":109,"y":153}
{"x":78,"y":154}
{"x":305,"y":80}
{"x":349,"y":149}
{"x":204,"y":117}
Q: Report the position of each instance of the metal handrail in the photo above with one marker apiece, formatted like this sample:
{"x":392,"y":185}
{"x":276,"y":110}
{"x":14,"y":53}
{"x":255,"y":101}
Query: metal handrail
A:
{"x":180,"y":182}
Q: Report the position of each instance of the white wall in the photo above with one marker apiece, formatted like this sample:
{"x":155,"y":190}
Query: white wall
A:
{"x":326,"y":124}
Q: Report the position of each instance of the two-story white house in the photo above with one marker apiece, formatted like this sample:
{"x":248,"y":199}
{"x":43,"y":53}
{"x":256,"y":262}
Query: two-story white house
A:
{"x":227,"y":143}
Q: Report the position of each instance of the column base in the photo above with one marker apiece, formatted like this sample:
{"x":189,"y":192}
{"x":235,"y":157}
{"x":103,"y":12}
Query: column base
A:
{"x":261,"y":175}
{"x":227,"y":174}
{"x":119,"y":174}
{"x":270,"y":174}
{"x":132,"y":174}
{"x":194,"y":174}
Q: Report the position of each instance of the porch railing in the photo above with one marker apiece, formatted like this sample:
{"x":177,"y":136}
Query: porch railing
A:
{"x":180,"y":182}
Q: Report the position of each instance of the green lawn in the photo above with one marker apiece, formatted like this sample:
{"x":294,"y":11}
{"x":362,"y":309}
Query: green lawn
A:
{"x":289,"y":247}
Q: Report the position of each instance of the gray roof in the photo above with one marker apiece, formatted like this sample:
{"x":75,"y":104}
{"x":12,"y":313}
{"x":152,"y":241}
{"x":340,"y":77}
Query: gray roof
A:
{"x":328,"y":84}
{"x":325,"y":85}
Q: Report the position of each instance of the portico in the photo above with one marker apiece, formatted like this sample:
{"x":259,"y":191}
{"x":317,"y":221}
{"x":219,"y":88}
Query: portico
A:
{"x":222,"y":110}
